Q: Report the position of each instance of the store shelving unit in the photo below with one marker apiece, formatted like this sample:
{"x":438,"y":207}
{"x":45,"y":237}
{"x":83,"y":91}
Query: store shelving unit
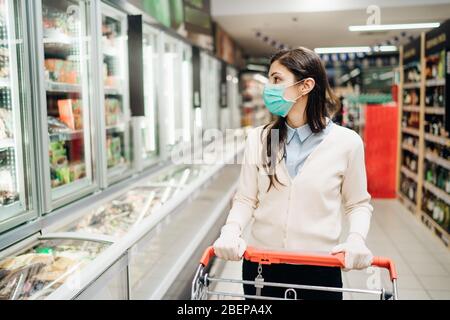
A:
{"x":410,"y":134}
{"x":425,"y":104}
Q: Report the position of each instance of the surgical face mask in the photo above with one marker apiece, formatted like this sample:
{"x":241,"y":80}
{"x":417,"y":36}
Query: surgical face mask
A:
{"x":274,"y":100}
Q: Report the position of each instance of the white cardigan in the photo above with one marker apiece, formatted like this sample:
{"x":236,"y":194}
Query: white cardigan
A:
{"x":306,"y":213}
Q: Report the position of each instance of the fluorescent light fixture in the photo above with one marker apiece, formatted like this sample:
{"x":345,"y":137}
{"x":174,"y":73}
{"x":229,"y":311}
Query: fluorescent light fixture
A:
{"x":364,"y":49}
{"x":385,"y":27}
{"x":341,"y":49}
{"x":387,"y":48}
{"x":256,"y":67}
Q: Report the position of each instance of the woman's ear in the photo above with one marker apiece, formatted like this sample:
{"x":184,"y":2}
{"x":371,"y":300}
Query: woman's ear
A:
{"x":308,"y":85}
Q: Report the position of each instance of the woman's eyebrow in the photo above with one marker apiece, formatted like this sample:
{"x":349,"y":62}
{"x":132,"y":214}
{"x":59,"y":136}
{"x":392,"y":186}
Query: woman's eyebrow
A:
{"x":275,"y":72}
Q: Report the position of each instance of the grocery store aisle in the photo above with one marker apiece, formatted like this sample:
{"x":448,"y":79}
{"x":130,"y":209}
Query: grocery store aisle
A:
{"x":423,"y":262}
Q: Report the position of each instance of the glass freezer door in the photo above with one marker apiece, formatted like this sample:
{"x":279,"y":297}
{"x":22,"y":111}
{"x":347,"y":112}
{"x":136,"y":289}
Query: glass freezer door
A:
{"x":210,"y":82}
{"x":171,"y":92}
{"x":66,"y":41}
{"x":116,"y":94}
{"x":149,"y":127}
{"x":15,"y":183}
{"x":187,"y":93}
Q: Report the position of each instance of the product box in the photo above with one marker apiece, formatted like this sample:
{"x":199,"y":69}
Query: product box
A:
{"x":70,"y":113}
{"x":77,"y":171}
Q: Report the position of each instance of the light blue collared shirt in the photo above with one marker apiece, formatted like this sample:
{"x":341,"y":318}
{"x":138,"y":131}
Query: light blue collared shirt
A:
{"x":300,"y":143}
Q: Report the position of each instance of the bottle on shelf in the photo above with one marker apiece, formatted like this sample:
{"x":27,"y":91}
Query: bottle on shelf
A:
{"x":412,"y":73}
{"x":434,"y":96}
{"x":436,"y":209}
{"x":435,"y":125}
{"x":410,"y":161}
{"x":411,"y":120}
{"x":408,"y":188}
{"x":437,"y":150}
{"x":435,"y":66}
{"x":437,"y":175}
{"x":411,"y":97}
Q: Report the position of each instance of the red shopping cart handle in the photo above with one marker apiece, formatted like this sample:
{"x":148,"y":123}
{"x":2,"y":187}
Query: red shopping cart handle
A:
{"x":313,"y":259}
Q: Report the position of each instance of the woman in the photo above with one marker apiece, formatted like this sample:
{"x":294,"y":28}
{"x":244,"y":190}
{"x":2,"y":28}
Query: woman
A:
{"x":301,"y":174}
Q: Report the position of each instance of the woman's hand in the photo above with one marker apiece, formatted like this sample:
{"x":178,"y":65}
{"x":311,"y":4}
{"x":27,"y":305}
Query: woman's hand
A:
{"x":230,"y":245}
{"x":357,"y":255}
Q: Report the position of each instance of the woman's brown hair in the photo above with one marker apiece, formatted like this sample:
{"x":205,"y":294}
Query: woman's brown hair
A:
{"x":303,"y":63}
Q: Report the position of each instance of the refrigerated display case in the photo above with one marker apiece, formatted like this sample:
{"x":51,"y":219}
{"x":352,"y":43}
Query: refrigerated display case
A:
{"x":115,"y":91}
{"x":187,"y":110}
{"x":117,"y":217}
{"x":64,"y":64}
{"x":40,"y":267}
{"x":16,"y":183}
{"x":178,"y":175}
{"x":210,"y":95}
{"x":176,"y":105}
{"x":233,"y":97}
{"x":171,"y":89}
{"x":147,"y":139}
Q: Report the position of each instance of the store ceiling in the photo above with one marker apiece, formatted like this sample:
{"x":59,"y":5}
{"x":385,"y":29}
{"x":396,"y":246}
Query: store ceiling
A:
{"x":319,"y":23}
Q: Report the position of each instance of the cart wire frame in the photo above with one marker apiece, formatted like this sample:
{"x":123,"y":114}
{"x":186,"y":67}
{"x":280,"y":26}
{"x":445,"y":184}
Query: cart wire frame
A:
{"x":202,"y":280}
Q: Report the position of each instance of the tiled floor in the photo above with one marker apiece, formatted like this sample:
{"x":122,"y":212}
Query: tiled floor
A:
{"x":423,"y":262}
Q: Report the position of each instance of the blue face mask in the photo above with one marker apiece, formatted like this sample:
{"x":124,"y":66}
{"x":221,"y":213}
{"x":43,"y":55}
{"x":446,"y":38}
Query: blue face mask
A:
{"x":274,"y":100}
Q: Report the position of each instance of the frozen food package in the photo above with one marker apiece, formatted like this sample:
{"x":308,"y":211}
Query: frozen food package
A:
{"x":38,"y":271}
{"x":6,"y":124}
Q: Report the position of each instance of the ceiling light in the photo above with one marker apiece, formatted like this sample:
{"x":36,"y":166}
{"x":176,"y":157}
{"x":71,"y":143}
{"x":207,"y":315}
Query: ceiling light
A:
{"x":384,"y":27}
{"x":341,"y":49}
{"x":365,"y":49}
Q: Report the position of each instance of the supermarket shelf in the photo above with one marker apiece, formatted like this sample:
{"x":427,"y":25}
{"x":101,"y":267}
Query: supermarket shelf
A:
{"x":56,"y":36}
{"x":411,"y":108}
{"x":112,"y":91}
{"x":62,"y":87}
{"x":435,"y":82}
{"x":407,"y":202}
{"x":6,"y":143}
{"x":412,"y":131}
{"x":5,"y":83}
{"x":435,"y":110}
{"x":440,"y":140}
{"x":409,"y":173}
{"x":120,"y":127}
{"x":434,"y":226}
{"x":411,"y":85}
{"x":64,"y":136}
{"x":410,"y":148}
{"x":441,"y":194}
{"x":54,"y":48}
{"x":438,"y":160}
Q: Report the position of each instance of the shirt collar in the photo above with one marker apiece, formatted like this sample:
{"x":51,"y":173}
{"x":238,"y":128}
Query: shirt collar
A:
{"x":303,"y":132}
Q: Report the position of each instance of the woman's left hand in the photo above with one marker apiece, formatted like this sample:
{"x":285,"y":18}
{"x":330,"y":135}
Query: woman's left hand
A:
{"x":356,"y":253}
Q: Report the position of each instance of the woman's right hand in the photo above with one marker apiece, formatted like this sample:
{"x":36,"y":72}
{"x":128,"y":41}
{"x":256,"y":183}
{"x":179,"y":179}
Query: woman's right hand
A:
{"x":230,"y":245}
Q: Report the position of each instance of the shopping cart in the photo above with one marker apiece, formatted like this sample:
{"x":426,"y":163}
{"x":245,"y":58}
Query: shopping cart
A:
{"x":202,"y":280}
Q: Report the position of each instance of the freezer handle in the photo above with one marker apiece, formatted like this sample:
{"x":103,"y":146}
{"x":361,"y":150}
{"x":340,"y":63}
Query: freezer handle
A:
{"x":313,"y":259}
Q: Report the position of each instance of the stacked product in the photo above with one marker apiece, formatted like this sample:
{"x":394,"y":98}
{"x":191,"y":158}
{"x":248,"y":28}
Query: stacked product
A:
{"x":62,"y":71}
{"x":114,"y":150}
{"x":113,"y":110}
